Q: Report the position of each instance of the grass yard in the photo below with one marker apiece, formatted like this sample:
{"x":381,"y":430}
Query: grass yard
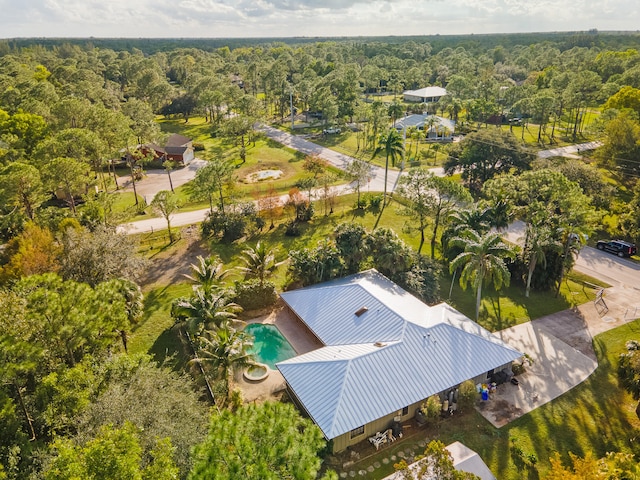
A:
{"x":153,"y":333}
{"x":595,"y":417}
{"x":510,"y":307}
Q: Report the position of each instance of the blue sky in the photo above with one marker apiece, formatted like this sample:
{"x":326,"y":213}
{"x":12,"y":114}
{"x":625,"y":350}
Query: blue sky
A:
{"x":286,"y":18}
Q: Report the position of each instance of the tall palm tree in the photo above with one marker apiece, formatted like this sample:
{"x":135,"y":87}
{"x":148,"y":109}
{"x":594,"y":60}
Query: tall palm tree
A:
{"x":539,"y":240}
{"x":206,"y":309}
{"x":392,"y":145}
{"x":259,"y":262}
{"x":226,"y":350}
{"x":481,"y":262}
{"x":208,"y":273}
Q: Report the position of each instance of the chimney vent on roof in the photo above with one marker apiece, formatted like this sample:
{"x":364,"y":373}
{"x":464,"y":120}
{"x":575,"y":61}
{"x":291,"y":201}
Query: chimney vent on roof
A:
{"x":361,"y":311}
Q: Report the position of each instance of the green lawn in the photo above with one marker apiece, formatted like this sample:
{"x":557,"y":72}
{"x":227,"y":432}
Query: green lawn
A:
{"x":510,"y":307}
{"x":154,"y":333}
{"x":597,"y":416}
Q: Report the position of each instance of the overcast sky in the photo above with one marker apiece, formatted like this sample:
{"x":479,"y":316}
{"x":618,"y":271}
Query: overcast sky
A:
{"x":287,"y":18}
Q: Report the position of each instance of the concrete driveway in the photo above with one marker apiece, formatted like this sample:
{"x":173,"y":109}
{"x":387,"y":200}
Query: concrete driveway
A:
{"x":557,"y":368}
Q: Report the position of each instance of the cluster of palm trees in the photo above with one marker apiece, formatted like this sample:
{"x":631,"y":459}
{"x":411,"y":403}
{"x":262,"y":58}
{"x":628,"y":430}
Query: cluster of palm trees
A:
{"x":209,"y":315}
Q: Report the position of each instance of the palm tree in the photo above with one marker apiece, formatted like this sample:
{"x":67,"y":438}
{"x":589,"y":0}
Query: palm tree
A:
{"x":206,"y":309}
{"x":226,"y":350}
{"x":259,"y":262}
{"x":392,"y":145}
{"x":481,"y":262}
{"x":539,"y":240}
{"x":208,"y":273}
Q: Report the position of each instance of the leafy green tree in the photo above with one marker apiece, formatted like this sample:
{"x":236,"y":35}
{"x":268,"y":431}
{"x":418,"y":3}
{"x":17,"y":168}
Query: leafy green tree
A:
{"x":314,"y":265}
{"x":392,"y":145}
{"x":431,"y":197}
{"x":484,"y":154}
{"x":240,"y":128}
{"x":212,"y":179}
{"x":622,"y":142}
{"x":99,"y":255}
{"x":72,"y":318}
{"x":114,"y":454}
{"x":21,"y":187}
{"x":481,"y":261}
{"x":389,"y":254}
{"x":268,"y":441}
{"x":351,"y":244}
{"x":160,"y":402}
{"x":166,"y":203}
{"x":549,"y":204}
{"x":359,"y":172}
{"x":69,"y":175}
{"x":538,"y":242}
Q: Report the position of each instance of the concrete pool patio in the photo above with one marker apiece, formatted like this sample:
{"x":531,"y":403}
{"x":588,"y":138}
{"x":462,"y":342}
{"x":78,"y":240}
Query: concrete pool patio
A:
{"x":300,"y":339}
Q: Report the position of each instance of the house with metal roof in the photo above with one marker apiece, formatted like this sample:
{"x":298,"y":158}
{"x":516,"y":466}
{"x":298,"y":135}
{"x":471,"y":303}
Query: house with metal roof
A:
{"x":424,"y":95}
{"x":435,"y":127}
{"x":384,"y":353}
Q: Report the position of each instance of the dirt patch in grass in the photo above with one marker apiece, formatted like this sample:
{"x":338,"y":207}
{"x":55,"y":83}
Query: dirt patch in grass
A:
{"x":168,"y":266}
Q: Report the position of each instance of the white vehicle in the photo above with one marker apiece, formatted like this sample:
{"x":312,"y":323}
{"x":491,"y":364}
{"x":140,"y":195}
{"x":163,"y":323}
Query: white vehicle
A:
{"x":330,"y":131}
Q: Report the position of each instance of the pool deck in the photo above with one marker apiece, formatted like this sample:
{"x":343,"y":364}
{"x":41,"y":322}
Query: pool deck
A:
{"x":300,"y":339}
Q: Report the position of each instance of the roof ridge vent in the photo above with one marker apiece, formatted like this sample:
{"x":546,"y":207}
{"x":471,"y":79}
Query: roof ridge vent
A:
{"x":361,"y":311}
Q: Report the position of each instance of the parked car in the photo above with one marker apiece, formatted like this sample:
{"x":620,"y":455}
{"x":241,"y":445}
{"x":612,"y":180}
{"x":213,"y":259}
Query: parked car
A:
{"x":331,"y":130}
{"x":619,"y":247}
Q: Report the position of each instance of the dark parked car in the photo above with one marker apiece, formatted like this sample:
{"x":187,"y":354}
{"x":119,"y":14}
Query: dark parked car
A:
{"x":619,"y":247}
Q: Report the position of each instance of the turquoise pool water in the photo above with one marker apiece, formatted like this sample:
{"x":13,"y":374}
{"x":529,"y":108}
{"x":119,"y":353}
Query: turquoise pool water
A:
{"x":269,"y":346}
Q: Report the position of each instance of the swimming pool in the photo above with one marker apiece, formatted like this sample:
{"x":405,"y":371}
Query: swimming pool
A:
{"x":269,"y":346}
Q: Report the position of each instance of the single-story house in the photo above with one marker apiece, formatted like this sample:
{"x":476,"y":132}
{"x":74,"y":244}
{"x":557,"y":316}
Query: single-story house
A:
{"x":437,"y":127}
{"x":385,"y":352}
{"x":464,"y":460}
{"x":178,"y":149}
{"x":424,"y":95}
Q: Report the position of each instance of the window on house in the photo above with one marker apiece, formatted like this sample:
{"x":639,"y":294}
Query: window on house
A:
{"x":405,"y":411}
{"x":356,"y":432}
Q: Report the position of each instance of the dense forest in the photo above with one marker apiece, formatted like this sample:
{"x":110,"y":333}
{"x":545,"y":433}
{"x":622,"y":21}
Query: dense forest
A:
{"x":73,"y":113}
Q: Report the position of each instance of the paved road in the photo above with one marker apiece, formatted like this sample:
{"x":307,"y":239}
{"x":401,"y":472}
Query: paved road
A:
{"x":606,"y":267}
{"x":336,"y":159}
{"x":570,"y":151}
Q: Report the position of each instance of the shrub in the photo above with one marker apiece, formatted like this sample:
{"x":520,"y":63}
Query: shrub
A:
{"x":629,"y":368}
{"x":375,"y":202}
{"x":431,"y":408}
{"x":467,"y":395}
{"x":198,"y":147}
{"x":253,"y":294}
{"x":292,"y":229}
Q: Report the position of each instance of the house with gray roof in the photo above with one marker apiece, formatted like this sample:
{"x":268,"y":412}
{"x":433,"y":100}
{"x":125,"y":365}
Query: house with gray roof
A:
{"x":424,"y":95}
{"x":384,"y":353}
{"x":435,"y":127}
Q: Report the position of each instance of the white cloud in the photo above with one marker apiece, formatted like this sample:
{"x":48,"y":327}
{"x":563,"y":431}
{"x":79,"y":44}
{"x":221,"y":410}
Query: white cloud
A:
{"x":268,"y":18}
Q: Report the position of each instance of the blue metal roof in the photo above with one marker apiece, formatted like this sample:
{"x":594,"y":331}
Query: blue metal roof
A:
{"x":349,"y":384}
